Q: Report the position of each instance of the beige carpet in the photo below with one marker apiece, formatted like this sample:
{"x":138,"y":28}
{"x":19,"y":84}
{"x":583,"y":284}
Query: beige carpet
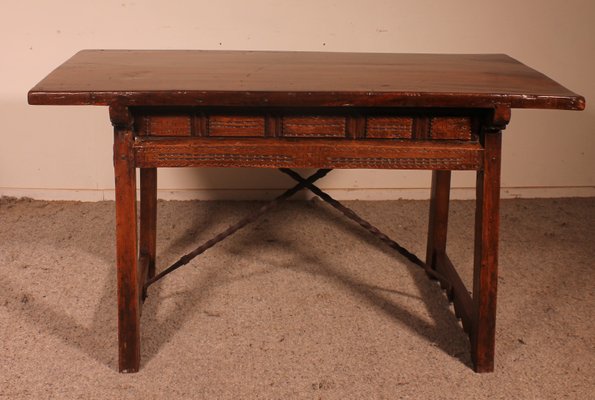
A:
{"x":302,"y":304}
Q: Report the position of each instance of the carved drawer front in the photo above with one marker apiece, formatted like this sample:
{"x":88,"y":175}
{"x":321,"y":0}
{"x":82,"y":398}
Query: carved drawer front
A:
{"x":341,"y":124}
{"x":313,"y":126}
{"x":457,"y":128}
{"x":235,"y":125}
{"x":166,"y":125}
{"x":389,"y":127}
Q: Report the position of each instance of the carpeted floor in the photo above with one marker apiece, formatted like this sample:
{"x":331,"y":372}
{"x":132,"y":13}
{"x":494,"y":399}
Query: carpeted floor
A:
{"x":302,"y":304}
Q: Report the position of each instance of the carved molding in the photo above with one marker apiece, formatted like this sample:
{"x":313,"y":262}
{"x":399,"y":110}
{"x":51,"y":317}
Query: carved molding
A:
{"x":120,"y":117}
{"x":498,"y":119}
{"x":458,"y":128}
{"x":405,"y":163}
{"x":389,"y":127}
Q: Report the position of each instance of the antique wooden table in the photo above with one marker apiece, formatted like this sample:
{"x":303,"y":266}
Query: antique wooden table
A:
{"x":316,"y":110}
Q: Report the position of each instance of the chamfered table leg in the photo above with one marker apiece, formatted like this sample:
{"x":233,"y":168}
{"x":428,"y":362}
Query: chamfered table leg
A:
{"x":438,"y":220}
{"x":485,"y":271}
{"x":126,"y":249}
{"x":148,"y":220}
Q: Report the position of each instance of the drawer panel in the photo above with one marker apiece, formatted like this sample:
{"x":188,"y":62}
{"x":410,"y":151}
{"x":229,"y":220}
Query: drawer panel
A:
{"x":319,"y":153}
{"x":236,"y":125}
{"x":457,"y":128}
{"x":389,"y":127}
{"x":313,"y":126}
{"x":347,"y":124}
{"x":166,"y":125}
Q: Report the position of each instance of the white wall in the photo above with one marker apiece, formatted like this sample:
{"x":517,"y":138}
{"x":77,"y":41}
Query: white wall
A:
{"x":65,"y":152}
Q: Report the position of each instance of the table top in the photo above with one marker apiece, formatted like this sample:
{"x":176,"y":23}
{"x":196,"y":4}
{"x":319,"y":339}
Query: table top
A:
{"x":287,"y":79}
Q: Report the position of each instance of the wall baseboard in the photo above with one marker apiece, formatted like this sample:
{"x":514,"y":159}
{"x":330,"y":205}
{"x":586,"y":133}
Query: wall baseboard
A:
{"x":263,"y":194}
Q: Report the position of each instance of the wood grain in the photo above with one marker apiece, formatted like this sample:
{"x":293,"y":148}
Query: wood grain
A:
{"x":437,"y":124}
{"x":458,"y":128}
{"x":165,"y":125}
{"x":485,"y":271}
{"x":236,"y":125}
{"x":463,"y":303}
{"x":438,"y":218}
{"x":302,"y":153}
{"x":245,"y":78}
{"x":307,"y":110}
{"x":389,"y":127}
{"x":313,"y":126}
{"x":129,"y":284}
{"x":148,"y":219}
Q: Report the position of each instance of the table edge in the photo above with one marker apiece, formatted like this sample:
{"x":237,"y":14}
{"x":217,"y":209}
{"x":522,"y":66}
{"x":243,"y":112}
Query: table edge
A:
{"x":305,"y":99}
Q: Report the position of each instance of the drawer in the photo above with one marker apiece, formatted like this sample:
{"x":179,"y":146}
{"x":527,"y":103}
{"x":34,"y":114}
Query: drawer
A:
{"x":235,"y":125}
{"x":313,"y":126}
{"x":457,"y":128}
{"x":191,"y":124}
{"x":360,"y":124}
{"x":164,"y":125}
{"x":389,"y":127}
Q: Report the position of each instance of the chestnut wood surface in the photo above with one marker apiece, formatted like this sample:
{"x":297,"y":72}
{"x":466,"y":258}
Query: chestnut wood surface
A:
{"x":256,"y":78}
{"x":128,"y":275}
{"x":307,"y":110}
{"x":304,"y":153}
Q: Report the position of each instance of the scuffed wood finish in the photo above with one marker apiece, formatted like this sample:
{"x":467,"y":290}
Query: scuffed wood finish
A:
{"x":128,"y":275}
{"x":249,"y":78}
{"x":485,"y":271}
{"x":451,"y":128}
{"x":389,"y":127}
{"x":236,"y":125}
{"x":307,"y":110}
{"x":313,"y":126}
{"x":165,"y":125}
{"x":439,"y":124}
{"x":458,"y":293}
{"x":303,"y":153}
{"x":436,"y":257}
{"x":148,"y":220}
{"x":438,"y":219}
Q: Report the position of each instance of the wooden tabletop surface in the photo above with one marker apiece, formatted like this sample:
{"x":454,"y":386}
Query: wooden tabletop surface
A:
{"x":286,"y":79}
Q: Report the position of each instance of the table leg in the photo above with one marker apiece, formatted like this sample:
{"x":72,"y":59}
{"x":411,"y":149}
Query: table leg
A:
{"x":485,"y":271}
{"x":126,"y":249}
{"x":148,"y":222}
{"x":438,"y":220}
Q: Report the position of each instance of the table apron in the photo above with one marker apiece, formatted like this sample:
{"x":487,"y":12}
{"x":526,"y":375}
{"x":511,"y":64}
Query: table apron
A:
{"x":303,"y":153}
